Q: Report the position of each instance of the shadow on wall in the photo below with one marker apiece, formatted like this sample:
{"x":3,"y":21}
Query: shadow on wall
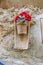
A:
{"x":20,"y":3}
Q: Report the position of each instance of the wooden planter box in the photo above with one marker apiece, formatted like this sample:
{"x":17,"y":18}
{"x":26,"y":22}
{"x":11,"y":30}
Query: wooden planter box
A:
{"x":22,"y":29}
{"x":21,"y":36}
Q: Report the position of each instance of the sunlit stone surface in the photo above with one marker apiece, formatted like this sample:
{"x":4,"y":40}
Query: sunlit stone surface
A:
{"x":8,"y":54}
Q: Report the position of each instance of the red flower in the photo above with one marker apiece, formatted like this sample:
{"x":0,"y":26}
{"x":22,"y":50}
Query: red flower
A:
{"x":26,"y":15}
{"x":16,"y":18}
{"x":23,"y":13}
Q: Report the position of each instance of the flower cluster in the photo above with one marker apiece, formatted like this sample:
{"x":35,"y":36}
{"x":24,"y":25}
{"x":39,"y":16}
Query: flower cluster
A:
{"x":26,"y":15}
